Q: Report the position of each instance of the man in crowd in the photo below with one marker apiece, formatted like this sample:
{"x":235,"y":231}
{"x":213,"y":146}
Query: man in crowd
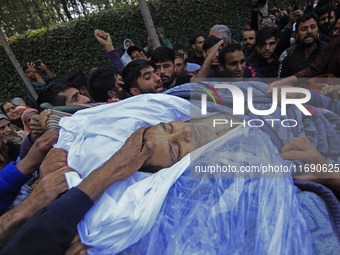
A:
{"x":326,"y":20}
{"x":300,"y":56}
{"x":59,"y":93}
{"x":265,"y":61}
{"x":232,"y":63}
{"x":248,"y":42}
{"x":180,"y":63}
{"x":136,"y":52}
{"x":38,"y":82}
{"x":211,"y":48}
{"x":223,"y":32}
{"x":77,"y":79}
{"x":196,"y":43}
{"x":103,"y":85}
{"x":327,"y":62}
{"x":139,"y":77}
{"x":164,"y":60}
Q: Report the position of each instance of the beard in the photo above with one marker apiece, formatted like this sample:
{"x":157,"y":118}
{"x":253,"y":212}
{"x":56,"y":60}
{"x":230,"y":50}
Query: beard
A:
{"x":325,"y":28}
{"x":306,"y":43}
{"x":167,"y":80}
{"x":249,"y":47}
{"x":151,"y":90}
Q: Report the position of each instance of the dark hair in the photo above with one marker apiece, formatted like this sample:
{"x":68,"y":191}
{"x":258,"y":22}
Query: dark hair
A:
{"x":76,"y":79}
{"x":132,"y":71}
{"x":178,"y":47}
{"x":49,"y":94}
{"x":210,"y":42}
{"x":100,"y":82}
{"x":24,"y":66}
{"x":304,"y":18}
{"x":133,"y":48}
{"x":266,"y":33}
{"x":162,"y":54}
{"x":230,"y":48}
{"x":325,"y":9}
{"x":193,"y":38}
{"x":249,"y":30}
{"x":180,"y":55}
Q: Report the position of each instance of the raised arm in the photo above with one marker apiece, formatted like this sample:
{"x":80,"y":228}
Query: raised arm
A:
{"x":105,"y":40}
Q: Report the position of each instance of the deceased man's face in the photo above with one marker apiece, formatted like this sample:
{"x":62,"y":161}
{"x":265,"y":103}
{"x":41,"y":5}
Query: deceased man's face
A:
{"x":172,"y":141}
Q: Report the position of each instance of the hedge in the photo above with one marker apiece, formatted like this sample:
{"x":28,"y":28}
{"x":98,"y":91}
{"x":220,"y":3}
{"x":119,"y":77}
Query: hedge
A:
{"x":71,"y":45}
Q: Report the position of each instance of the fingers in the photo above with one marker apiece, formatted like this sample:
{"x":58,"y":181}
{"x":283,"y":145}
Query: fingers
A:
{"x":136,"y":137}
{"x":101,"y":34}
{"x":300,"y":148}
{"x":48,"y":189}
{"x":77,"y":247}
{"x":293,"y":155}
{"x":146,"y":151}
{"x":297,"y":143}
{"x":215,"y":47}
{"x":49,"y":138}
{"x":54,"y":160}
{"x":271,"y":86}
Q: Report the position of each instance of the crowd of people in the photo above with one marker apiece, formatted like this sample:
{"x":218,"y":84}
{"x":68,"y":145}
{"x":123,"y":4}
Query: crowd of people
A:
{"x":287,"y":43}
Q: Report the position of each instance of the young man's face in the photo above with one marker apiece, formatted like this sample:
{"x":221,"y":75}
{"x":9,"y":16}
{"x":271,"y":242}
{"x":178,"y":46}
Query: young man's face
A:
{"x":73,"y":97}
{"x":179,"y":66}
{"x":166,"y":70}
{"x":148,"y":82}
{"x":248,"y":39}
{"x":235,"y":65}
{"x":198,"y":44}
{"x":267,"y":49}
{"x":307,"y":32}
{"x":326,"y":23}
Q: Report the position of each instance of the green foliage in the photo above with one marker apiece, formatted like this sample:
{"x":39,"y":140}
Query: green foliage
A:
{"x":71,"y":45}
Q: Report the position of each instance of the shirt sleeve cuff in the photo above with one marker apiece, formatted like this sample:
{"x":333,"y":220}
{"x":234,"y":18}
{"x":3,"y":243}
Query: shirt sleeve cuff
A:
{"x":13,"y":175}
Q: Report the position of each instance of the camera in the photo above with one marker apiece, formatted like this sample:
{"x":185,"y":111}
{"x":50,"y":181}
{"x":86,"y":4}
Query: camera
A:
{"x":294,"y":3}
{"x":37,"y":63}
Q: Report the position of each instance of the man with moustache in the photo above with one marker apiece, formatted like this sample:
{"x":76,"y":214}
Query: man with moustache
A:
{"x":300,"y":56}
{"x":327,"y":20}
{"x":164,"y":60}
{"x":248,"y":40}
{"x":196,"y":43}
{"x":232,"y":64}
{"x":139,"y":77}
